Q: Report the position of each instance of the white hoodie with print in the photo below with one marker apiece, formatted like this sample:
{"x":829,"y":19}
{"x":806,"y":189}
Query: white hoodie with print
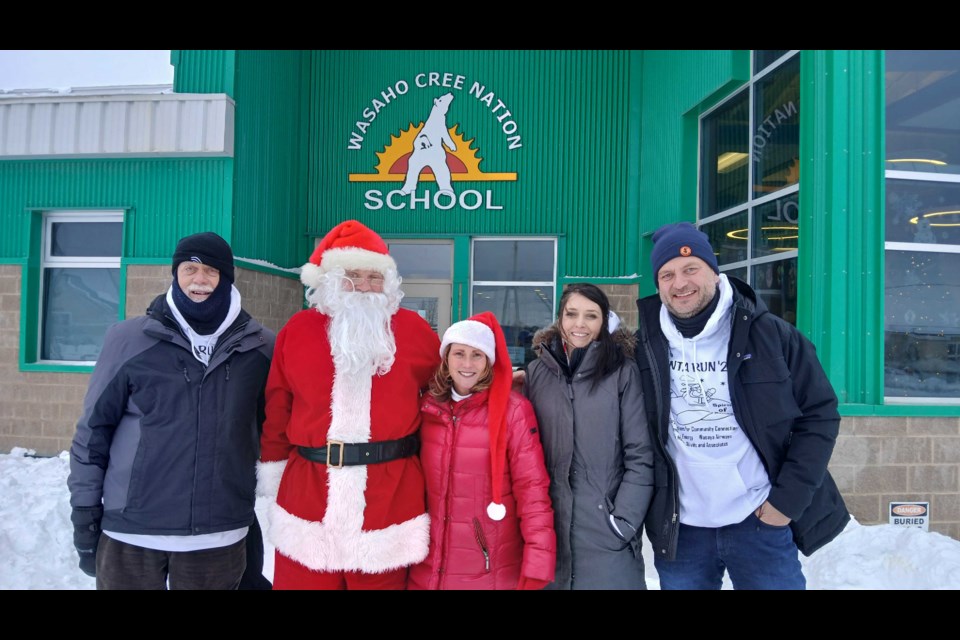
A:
{"x":722,"y":479}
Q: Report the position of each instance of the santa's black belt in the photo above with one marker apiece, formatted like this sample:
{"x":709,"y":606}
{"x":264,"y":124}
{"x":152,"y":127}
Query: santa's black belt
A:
{"x":340,"y":454}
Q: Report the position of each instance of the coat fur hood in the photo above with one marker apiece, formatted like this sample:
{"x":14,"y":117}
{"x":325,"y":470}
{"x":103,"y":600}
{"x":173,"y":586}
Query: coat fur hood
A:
{"x":622,"y":337}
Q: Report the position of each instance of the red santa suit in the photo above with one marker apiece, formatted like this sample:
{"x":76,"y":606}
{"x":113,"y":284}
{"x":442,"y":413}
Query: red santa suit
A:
{"x":368,"y":518}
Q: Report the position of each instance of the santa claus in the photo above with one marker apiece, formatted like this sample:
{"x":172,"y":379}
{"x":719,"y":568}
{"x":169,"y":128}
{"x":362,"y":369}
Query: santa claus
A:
{"x":340,"y":438}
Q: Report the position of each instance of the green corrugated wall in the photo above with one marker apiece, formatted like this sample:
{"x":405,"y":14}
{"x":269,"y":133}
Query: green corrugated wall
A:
{"x":203,"y":71}
{"x":270,"y":186}
{"x":168,"y":198}
{"x":573,"y":114}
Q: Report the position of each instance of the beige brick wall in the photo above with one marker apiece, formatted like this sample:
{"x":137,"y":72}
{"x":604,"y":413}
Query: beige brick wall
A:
{"x":39,"y":410}
{"x":879,"y":460}
{"x":268,"y":298}
{"x":623,"y":302}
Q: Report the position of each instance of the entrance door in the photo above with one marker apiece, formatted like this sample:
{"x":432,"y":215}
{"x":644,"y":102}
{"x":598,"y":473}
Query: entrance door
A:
{"x":431,"y":301}
{"x":426,"y":267}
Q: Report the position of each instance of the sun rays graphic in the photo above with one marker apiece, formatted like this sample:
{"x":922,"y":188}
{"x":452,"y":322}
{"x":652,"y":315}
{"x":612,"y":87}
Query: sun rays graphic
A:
{"x":464,"y":163}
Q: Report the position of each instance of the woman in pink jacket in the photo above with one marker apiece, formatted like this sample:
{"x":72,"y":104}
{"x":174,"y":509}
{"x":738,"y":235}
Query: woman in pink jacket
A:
{"x":491,"y":524}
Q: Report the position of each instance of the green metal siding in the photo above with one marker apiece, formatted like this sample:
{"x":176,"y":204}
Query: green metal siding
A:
{"x":167,"y":198}
{"x":840,"y":297}
{"x":271,"y":156}
{"x":203,"y":71}
{"x":573,"y":112}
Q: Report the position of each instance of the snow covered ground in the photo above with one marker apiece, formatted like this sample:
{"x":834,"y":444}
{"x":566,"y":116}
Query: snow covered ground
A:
{"x":36,"y":541}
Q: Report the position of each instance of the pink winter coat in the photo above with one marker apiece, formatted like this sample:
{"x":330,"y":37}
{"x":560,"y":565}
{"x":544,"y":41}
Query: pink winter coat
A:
{"x":468,"y":550}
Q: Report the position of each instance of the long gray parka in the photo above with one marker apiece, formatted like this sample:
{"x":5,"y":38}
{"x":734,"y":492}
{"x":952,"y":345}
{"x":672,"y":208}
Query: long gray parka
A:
{"x":598,"y":453}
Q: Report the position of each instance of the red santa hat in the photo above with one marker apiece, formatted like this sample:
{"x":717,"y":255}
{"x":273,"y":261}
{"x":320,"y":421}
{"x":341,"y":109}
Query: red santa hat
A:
{"x":483,"y":332}
{"x":349,"y":245}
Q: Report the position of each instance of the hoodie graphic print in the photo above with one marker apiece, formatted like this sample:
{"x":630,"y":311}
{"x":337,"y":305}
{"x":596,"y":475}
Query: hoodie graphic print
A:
{"x":722,"y":479}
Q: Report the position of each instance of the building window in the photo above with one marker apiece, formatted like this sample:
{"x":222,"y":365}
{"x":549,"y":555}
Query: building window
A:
{"x":79,"y":285}
{"x":922,"y":257}
{"x":749,"y":180}
{"x":514,"y":279}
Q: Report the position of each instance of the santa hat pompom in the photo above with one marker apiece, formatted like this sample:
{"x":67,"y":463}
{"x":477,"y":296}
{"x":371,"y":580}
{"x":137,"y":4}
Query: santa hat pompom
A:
{"x":349,"y":245}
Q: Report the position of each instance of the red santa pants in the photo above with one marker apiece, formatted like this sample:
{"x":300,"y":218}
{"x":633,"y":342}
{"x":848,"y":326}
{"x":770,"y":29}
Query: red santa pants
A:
{"x":290,"y":574}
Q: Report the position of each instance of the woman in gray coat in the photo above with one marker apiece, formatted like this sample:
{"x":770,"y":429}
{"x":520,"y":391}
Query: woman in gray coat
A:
{"x":587,"y":396}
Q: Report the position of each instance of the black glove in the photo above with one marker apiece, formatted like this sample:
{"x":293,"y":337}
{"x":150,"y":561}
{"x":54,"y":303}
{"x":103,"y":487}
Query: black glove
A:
{"x":86,"y":536}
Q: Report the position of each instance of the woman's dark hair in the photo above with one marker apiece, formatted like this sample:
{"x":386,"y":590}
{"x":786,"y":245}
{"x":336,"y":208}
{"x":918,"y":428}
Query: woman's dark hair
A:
{"x":609,"y":354}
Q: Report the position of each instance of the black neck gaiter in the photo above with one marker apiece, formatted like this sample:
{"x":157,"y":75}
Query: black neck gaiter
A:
{"x":690,"y":327}
{"x":207,"y":316}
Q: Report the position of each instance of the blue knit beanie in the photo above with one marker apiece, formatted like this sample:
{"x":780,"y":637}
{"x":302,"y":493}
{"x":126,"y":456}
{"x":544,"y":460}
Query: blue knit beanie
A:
{"x":680,"y":240}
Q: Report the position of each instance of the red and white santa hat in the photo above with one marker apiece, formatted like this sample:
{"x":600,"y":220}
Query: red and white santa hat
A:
{"x":349,"y":245}
{"x":483,"y":332}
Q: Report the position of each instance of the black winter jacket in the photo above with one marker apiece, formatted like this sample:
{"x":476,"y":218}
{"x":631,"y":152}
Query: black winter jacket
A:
{"x":783,"y":401}
{"x":170,"y":446}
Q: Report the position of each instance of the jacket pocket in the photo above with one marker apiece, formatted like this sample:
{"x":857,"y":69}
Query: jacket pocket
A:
{"x":481,"y":539}
{"x":769,"y":390}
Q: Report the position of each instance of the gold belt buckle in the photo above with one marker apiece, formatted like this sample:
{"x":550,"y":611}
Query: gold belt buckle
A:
{"x":330,"y":444}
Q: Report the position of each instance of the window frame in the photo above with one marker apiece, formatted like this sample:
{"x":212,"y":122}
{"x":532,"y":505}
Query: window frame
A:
{"x":40,"y":259}
{"x":752,"y":202}
{"x":531,"y":284}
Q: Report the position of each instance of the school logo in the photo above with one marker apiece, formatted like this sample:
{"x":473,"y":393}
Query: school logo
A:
{"x":433,"y":150}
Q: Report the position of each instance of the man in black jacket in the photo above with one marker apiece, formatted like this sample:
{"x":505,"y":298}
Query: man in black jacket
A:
{"x":744,"y":422}
{"x":164,"y":458}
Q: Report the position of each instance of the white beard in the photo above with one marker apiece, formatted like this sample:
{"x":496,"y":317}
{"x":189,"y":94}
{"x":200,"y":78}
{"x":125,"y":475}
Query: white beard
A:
{"x":361,"y":337}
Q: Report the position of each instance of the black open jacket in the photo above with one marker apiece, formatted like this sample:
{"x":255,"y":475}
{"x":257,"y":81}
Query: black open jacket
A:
{"x":782,"y":400}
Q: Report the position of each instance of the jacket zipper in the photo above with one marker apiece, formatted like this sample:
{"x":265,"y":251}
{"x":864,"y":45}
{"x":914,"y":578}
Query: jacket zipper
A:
{"x":482,"y":541}
{"x":655,"y":369}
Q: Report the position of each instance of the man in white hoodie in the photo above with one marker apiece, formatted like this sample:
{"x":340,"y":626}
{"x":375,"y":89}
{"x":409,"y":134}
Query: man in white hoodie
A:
{"x":744,"y":421}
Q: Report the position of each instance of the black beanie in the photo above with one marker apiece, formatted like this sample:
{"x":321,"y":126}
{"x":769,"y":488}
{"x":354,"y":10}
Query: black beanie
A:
{"x":206,"y":248}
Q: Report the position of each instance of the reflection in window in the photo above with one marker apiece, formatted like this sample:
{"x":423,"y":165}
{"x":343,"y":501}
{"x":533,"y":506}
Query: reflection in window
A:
{"x":725,"y":156}
{"x":514,"y":280}
{"x":923,"y":103}
{"x":79,"y":305}
{"x":922,"y":328}
{"x":426,"y":308}
{"x":922,"y":230}
{"x":728,"y":237}
{"x":521,"y":311}
{"x":80,"y":297}
{"x":513,"y":260}
{"x":755,"y":232}
{"x":776,"y":227}
{"x":763,"y":58}
{"x":776,"y":284}
{"x":776,"y":129}
{"x":422,"y":261}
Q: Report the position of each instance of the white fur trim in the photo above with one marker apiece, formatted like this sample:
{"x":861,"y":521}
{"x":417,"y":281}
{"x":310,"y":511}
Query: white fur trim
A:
{"x":473,"y":334}
{"x":346,"y":258}
{"x":310,"y":274}
{"x":339,"y":543}
{"x":327,"y":546}
{"x":268,"y":478}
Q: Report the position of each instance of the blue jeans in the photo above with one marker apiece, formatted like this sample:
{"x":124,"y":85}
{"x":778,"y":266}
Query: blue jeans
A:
{"x":757,"y":555}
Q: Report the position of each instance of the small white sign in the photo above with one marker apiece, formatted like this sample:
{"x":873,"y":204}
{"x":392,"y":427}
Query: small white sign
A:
{"x":910,"y":514}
